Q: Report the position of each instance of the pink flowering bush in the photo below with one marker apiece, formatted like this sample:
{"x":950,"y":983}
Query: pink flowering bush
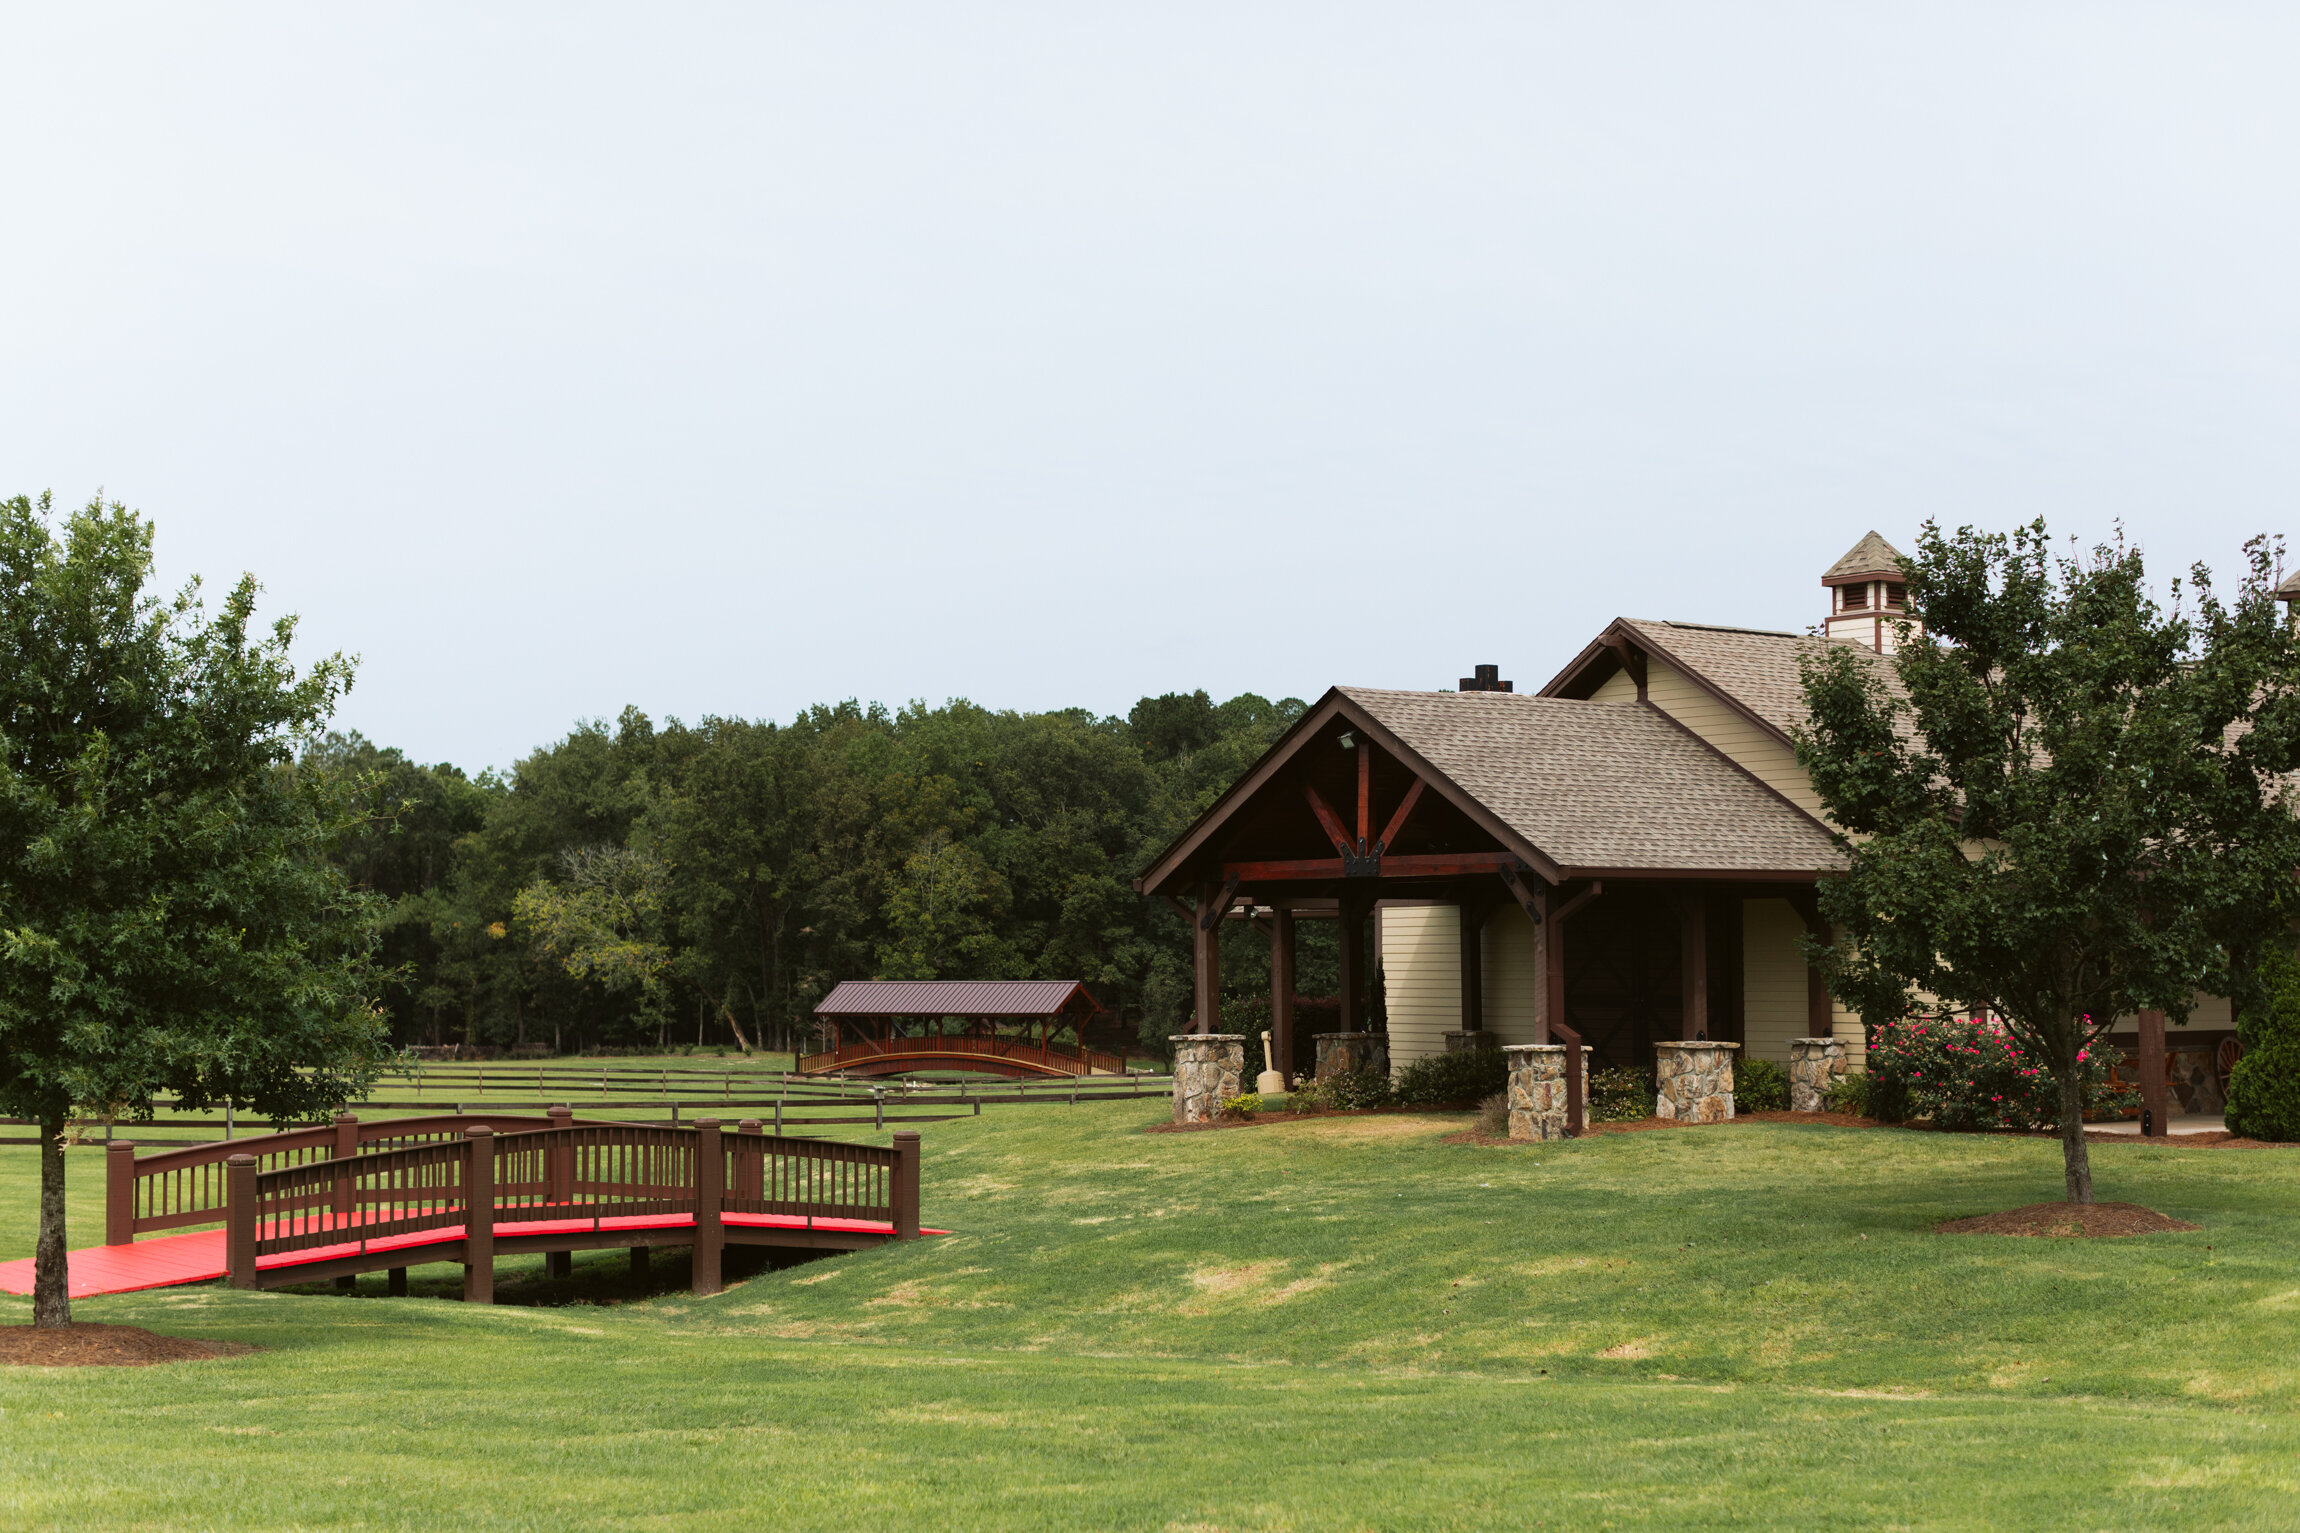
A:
{"x":1972,"y":1073}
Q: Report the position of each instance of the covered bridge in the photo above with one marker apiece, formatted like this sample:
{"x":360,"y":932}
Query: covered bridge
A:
{"x":998,"y":1027}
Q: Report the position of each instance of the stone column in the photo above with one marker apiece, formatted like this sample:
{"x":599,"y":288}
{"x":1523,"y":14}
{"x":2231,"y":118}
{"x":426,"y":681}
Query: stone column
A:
{"x":1338,"y":1052}
{"x":1696,"y":1081}
{"x":1209,"y":1069}
{"x":1537,"y":1089}
{"x":1815,"y":1064}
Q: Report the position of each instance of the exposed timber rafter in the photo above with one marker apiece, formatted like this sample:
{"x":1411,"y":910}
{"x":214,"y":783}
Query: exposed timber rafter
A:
{"x":1420,"y":865}
{"x":1220,"y":905}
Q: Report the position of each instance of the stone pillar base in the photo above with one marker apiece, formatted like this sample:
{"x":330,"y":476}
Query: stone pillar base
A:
{"x":1815,"y":1064}
{"x":1695,"y":1080}
{"x":1338,"y":1052}
{"x":1537,"y":1089}
{"x":1462,"y":1043}
{"x":1209,"y":1069}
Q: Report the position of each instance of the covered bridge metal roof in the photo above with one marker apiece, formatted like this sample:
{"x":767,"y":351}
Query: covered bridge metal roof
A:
{"x":955,"y":998}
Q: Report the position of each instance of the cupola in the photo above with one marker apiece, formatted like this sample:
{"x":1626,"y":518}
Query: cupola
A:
{"x":1867,"y":601}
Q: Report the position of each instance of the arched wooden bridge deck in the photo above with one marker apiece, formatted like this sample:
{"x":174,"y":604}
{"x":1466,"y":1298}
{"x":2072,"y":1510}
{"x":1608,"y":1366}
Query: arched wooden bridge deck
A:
{"x":314,"y":1204}
{"x":1012,"y":1058}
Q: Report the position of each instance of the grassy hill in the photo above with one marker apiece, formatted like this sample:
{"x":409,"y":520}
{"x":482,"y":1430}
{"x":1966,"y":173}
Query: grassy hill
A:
{"x":1337,"y":1323}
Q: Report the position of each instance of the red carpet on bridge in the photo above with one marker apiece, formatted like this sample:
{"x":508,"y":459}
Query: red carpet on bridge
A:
{"x":167,"y":1260}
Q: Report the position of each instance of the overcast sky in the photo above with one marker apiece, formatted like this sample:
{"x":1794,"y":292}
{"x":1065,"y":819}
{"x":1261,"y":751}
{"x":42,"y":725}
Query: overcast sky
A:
{"x":727,"y":360}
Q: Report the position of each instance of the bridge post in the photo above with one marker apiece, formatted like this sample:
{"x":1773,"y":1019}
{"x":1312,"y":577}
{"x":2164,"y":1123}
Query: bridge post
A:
{"x":240,"y":1220}
{"x":120,"y":1192}
{"x":750,"y":1166}
{"x":906,"y":1184}
{"x":479,"y":1215}
{"x":559,"y":1188}
{"x":710,"y":1182}
{"x":346,"y":1151}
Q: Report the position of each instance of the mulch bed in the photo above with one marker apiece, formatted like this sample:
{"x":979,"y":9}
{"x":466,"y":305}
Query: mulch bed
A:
{"x":2086,"y":1220}
{"x":1295,"y":1115}
{"x":104,"y":1346}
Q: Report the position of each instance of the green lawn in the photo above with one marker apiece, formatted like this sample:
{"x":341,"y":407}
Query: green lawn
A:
{"x":1338,"y":1323}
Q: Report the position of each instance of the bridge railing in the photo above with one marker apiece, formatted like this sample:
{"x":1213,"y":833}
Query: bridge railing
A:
{"x":171,"y":1189}
{"x":571,"y":1174}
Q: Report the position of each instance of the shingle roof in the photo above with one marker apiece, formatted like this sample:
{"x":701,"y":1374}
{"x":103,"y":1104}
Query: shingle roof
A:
{"x":1756,"y":667}
{"x":1872,"y":556}
{"x":950,"y":998}
{"x":1603,"y":785}
{"x":2290,"y":589}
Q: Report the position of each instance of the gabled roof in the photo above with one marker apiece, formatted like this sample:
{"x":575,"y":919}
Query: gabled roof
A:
{"x":2290,"y":589}
{"x":1753,"y":671}
{"x":1870,"y":559}
{"x":953,"y":998}
{"x":1598,"y":786}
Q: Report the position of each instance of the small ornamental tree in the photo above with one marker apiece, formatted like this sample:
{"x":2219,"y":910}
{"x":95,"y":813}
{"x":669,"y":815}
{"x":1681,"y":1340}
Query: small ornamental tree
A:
{"x":170,"y":919}
{"x":2062,"y":803}
{"x":2264,"y":1088}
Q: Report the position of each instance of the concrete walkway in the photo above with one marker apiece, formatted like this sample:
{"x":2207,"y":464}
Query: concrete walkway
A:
{"x":2182,"y":1123}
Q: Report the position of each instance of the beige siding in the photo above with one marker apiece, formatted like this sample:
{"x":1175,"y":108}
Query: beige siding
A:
{"x":1772,"y":979}
{"x":1756,"y":750}
{"x":1618,"y":688}
{"x":1421,"y":974}
{"x":1512,"y":975}
{"x":1421,"y":968}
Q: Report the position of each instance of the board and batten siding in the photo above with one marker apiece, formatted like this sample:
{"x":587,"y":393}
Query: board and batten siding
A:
{"x":1421,"y":969}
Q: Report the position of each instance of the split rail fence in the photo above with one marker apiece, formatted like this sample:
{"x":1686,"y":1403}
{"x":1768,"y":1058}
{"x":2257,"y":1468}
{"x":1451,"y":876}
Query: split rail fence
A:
{"x":789,"y":1102}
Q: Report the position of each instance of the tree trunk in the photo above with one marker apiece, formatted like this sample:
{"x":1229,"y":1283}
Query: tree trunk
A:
{"x":2076,"y":1160}
{"x":51,"y":1281}
{"x":741,"y":1041}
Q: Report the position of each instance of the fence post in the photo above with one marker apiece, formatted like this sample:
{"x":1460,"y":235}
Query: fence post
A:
{"x":479,"y":1215}
{"x":347,"y":1151}
{"x":906,"y":1184}
{"x":240,"y":1220}
{"x":120,"y":1192}
{"x":710,"y":1178}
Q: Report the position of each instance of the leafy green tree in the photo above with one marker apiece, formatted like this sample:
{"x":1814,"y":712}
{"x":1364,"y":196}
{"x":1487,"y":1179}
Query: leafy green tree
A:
{"x":172,"y":916}
{"x":2064,"y":803}
{"x":604,"y":922}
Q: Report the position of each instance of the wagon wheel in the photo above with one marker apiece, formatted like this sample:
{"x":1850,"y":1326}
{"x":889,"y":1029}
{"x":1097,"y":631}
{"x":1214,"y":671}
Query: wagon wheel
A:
{"x":2225,"y":1061}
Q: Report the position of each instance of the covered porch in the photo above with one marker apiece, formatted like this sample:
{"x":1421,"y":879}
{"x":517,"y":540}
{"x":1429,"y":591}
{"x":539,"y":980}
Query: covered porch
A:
{"x":1526,"y":870}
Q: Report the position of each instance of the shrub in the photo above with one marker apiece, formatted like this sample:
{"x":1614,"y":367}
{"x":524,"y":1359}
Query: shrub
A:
{"x":1493,"y":1115}
{"x":1852,"y":1093}
{"x":1347,"y":1089}
{"x":2264,"y":1088}
{"x":1452,"y":1080}
{"x":1242,"y":1106}
{"x":1972,"y":1074}
{"x":1760,"y":1085}
{"x":1618,"y":1096}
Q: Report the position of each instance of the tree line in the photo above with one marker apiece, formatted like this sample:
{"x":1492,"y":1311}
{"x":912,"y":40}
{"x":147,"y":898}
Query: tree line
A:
{"x":643,"y":885}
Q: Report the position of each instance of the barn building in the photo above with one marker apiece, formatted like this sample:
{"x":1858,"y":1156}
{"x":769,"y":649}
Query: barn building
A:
{"x":1631,"y":850}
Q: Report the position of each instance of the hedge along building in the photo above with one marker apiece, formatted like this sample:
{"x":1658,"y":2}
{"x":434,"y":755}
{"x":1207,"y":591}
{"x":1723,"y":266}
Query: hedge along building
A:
{"x":1629,"y":854}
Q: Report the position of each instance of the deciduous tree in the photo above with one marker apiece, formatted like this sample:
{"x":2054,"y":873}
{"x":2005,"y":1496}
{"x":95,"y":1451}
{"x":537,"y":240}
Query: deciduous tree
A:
{"x":172,"y":916}
{"x":2064,"y":803}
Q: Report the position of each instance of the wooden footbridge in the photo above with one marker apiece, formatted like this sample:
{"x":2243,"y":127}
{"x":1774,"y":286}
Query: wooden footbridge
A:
{"x":349,"y":1197}
{"x":898,"y":1027}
